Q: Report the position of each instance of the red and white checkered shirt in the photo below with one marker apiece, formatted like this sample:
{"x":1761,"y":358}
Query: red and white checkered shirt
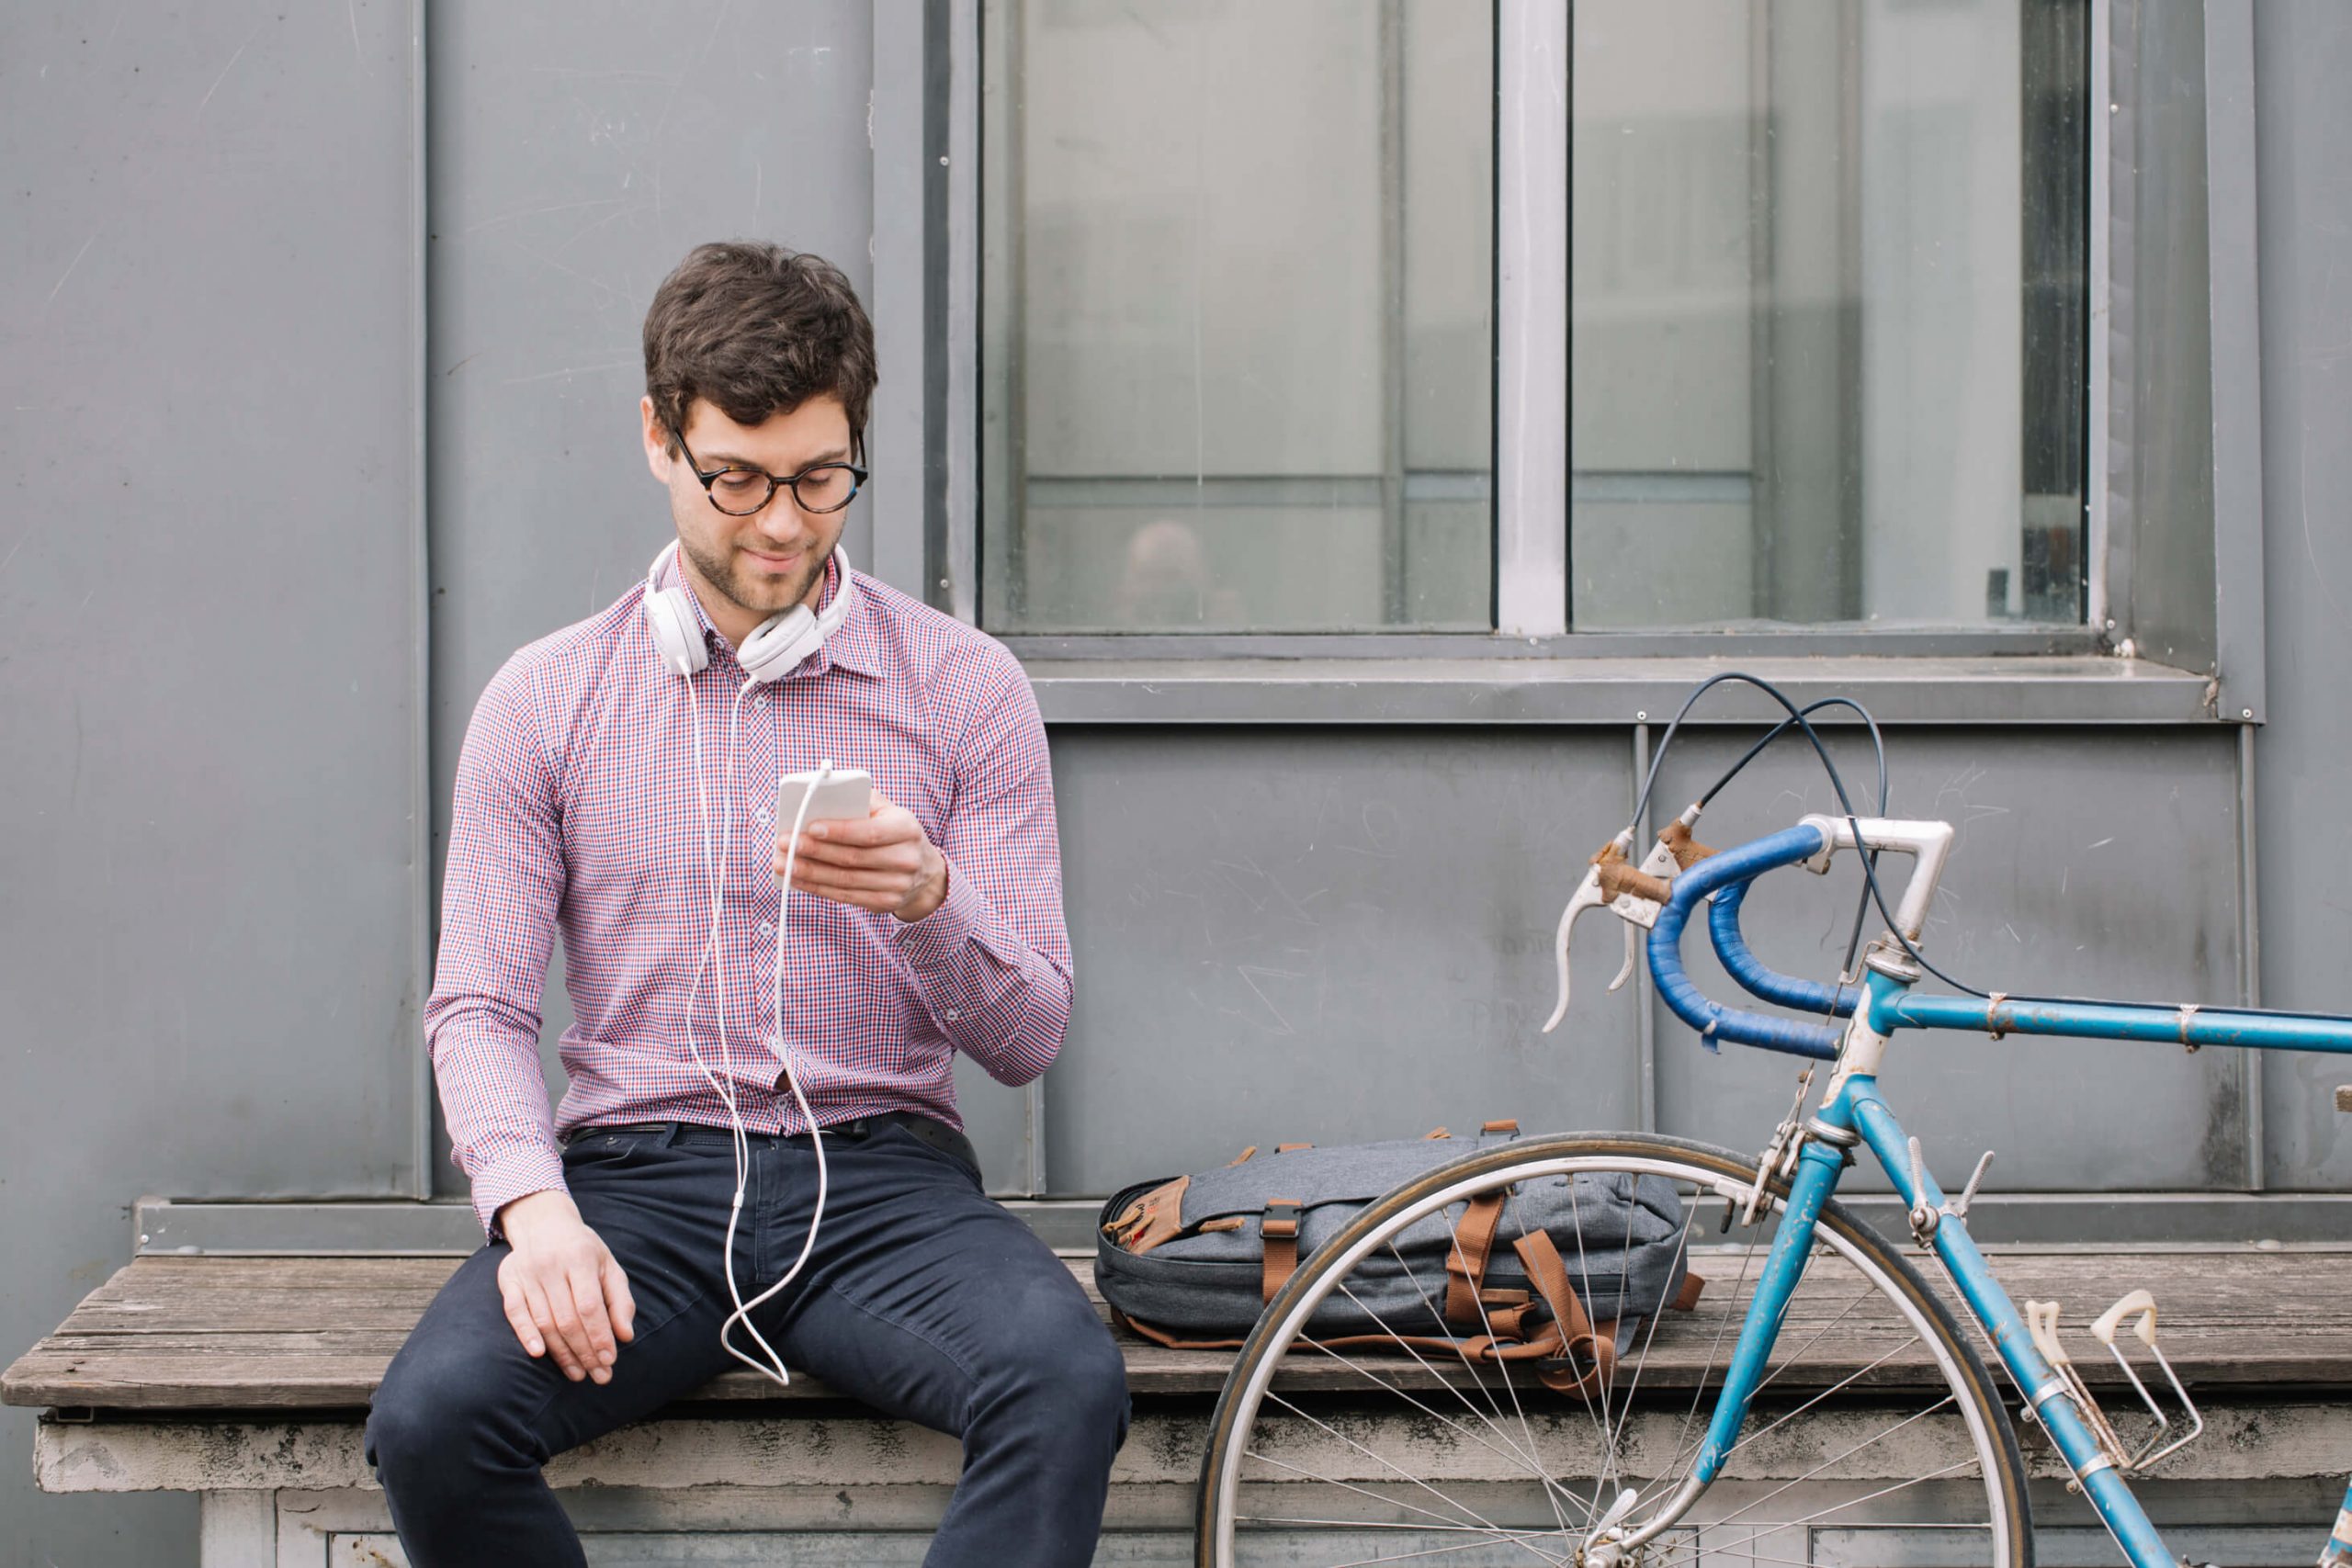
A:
{"x":575,"y":809}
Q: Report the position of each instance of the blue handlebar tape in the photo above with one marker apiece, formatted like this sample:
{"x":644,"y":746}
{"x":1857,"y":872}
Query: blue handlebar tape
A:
{"x":1781,"y":990}
{"x":1714,"y":1023}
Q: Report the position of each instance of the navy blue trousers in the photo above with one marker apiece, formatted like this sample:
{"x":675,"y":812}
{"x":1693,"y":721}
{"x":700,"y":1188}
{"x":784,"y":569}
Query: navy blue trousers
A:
{"x":923,"y":1298}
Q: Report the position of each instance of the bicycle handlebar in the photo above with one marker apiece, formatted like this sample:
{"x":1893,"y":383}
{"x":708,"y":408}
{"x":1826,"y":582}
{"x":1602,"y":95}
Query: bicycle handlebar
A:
{"x":1754,"y":978}
{"x":1727,"y":874}
{"x":1715,"y":1021}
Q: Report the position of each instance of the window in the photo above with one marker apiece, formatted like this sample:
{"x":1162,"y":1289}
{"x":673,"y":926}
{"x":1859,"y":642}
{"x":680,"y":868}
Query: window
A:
{"x":1236,"y":280}
{"x":1827,"y":294}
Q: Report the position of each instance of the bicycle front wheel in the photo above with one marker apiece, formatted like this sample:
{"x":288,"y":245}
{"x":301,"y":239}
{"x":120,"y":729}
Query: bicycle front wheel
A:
{"x":1877,"y":1435}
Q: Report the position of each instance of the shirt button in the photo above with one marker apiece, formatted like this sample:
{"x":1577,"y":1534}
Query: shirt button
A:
{"x":762,"y":815}
{"x":761,"y":701}
{"x":767,"y":927}
{"x":951,"y":1015}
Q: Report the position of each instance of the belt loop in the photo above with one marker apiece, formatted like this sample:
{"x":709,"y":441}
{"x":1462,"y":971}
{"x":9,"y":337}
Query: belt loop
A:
{"x":671,"y":1131}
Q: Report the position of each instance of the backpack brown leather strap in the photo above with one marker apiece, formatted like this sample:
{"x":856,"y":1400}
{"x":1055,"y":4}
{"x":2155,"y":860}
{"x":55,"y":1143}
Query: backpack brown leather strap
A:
{"x":1162,"y":1336}
{"x":1279,"y":1232}
{"x":1577,"y":1334}
{"x":1465,"y":1260}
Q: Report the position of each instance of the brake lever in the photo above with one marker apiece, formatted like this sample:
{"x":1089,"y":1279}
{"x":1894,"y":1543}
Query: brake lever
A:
{"x":1657,"y":869}
{"x":1588,"y":896}
{"x":1662,"y":864}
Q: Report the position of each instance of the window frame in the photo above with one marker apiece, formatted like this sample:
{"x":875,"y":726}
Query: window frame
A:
{"x":928,"y":87}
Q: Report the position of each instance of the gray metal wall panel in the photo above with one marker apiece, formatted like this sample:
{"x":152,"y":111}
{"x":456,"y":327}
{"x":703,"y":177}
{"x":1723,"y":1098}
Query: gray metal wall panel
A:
{"x":2303,"y":56}
{"x":1325,"y":935}
{"x":577,"y":152}
{"x":206,"y":682}
{"x":2099,"y":864}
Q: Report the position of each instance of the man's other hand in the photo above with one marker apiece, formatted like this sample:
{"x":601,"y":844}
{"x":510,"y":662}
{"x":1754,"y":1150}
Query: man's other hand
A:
{"x":563,"y":1290}
{"x":884,"y":863}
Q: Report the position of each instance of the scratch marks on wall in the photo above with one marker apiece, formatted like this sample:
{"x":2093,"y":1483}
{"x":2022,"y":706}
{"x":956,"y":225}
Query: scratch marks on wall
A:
{"x":203,"y":102}
{"x":67,"y":273}
{"x":600,"y":369}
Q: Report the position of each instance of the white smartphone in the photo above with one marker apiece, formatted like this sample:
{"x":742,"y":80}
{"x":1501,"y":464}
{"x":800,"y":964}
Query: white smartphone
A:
{"x":847,"y":793}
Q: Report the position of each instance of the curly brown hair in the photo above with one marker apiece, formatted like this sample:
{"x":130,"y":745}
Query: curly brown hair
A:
{"x":756,"y":330}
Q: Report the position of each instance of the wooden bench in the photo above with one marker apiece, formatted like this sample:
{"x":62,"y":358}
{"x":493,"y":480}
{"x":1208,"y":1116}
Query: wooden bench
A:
{"x":245,"y":1379}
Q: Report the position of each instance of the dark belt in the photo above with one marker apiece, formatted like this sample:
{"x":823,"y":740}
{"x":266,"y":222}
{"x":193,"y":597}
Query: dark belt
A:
{"x":938,"y":1134}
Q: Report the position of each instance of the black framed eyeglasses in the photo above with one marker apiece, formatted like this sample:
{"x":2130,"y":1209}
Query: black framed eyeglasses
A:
{"x":739,"y":491}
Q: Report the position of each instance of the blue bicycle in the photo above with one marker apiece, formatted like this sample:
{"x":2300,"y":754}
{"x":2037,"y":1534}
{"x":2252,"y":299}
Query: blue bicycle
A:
{"x":1819,"y":1403}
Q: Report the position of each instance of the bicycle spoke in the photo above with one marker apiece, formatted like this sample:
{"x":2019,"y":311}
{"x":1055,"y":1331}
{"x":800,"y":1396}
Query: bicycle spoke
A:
{"x":1818,"y":1515}
{"x":1438,"y":1521}
{"x":1380,"y":1460}
{"x":1679,"y":1262}
{"x":1608,"y":1469}
{"x":1798,"y":1354}
{"x":1477,"y":1376}
{"x":1840,"y":1459}
{"x":1532,"y":1461}
{"x":1392,"y":1557}
{"x":1699,"y":1391}
{"x":1487,"y":1325}
{"x":1809,"y":1404}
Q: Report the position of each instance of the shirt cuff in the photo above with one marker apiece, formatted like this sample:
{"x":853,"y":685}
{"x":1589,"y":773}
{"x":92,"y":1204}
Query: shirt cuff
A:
{"x":932,"y":941}
{"x":515,"y":1174}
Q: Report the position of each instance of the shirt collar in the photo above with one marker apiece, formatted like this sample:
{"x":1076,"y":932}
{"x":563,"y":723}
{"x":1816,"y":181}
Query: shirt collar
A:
{"x":854,"y":646}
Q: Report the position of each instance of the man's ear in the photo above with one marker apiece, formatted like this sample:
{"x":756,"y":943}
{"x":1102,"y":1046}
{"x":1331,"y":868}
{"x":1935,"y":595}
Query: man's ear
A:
{"x":657,"y":442}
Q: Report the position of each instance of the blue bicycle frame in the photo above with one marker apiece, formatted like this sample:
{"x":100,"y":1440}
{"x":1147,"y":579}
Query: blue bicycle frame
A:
{"x":1854,"y":1110}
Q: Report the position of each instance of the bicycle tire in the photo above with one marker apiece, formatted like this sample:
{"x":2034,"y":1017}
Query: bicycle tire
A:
{"x":1364,"y":1521}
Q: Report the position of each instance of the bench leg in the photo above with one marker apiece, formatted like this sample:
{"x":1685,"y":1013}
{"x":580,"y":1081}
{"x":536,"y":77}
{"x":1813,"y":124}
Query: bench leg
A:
{"x":237,"y":1529}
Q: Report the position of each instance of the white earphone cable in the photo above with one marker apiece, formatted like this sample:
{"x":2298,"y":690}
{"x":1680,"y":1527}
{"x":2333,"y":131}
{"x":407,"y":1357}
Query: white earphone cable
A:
{"x":807,"y":1119}
{"x":713,"y":958}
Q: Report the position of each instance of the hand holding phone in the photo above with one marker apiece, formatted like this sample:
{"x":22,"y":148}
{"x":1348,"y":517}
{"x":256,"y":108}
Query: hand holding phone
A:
{"x":847,"y":794}
{"x":858,"y":848}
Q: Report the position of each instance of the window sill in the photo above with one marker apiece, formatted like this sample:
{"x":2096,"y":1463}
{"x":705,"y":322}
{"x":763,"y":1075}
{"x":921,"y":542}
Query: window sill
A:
{"x":2063,"y":689}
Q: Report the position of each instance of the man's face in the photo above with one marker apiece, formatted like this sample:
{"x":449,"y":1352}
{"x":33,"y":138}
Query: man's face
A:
{"x":746,"y":568}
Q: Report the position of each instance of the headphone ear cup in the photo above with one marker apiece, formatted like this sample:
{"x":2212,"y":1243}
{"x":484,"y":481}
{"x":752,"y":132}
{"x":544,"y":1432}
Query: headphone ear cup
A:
{"x":672,"y":622}
{"x":776,"y":647}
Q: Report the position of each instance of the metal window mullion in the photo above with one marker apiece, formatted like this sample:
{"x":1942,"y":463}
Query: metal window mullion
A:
{"x":2233,"y":275}
{"x":1395,"y":591}
{"x":423,"y":1103}
{"x":959,"y":346}
{"x":1531,"y":318}
{"x":2101,"y":116}
{"x":897,"y":443}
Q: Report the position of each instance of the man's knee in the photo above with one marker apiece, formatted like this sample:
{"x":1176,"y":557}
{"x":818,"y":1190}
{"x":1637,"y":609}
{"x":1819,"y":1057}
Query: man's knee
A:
{"x":435,"y":1427}
{"x":400,"y":1432}
{"x":1069,"y":1372}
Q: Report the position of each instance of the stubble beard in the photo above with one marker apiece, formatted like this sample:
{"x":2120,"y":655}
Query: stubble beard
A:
{"x":758,"y":594}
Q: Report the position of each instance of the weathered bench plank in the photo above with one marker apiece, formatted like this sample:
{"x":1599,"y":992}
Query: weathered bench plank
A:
{"x":206,"y":1333}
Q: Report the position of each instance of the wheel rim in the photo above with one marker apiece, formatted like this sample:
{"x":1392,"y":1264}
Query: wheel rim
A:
{"x":1495,"y":1468}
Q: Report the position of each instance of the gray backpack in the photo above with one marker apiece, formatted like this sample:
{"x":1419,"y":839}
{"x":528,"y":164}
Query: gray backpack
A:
{"x":1559,"y":1275}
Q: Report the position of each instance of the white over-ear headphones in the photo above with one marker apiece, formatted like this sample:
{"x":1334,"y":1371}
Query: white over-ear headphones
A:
{"x":775,"y":647}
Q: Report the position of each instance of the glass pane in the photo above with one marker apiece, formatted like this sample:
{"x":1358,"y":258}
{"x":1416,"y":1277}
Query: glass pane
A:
{"x":1828,"y":273}
{"x":1237,"y":295}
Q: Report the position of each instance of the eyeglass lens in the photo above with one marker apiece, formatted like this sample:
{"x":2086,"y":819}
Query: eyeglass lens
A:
{"x":826,"y":488}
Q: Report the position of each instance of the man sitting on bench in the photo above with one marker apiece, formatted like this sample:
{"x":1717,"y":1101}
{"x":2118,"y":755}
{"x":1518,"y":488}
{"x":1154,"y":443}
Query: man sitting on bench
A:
{"x":619,"y":782}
